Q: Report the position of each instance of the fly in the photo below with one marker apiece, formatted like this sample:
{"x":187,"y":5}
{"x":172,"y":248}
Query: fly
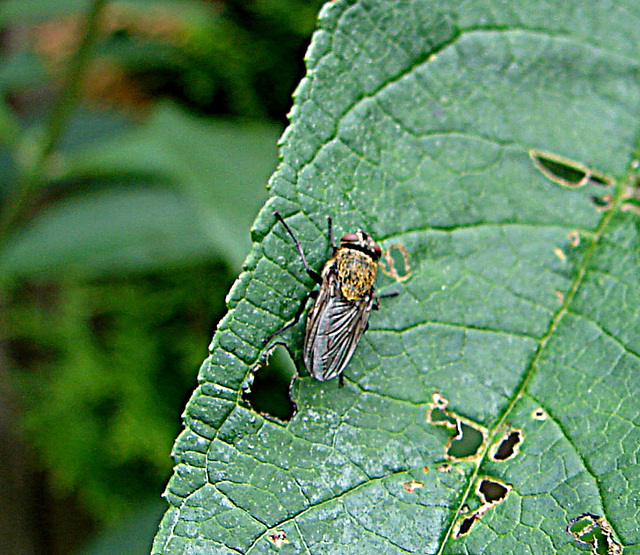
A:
{"x":340,"y":312}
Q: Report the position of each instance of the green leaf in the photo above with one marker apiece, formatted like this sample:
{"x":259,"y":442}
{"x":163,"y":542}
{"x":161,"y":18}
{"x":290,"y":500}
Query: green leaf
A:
{"x":181,"y":190}
{"x":9,"y":126}
{"x":423,"y":124}
{"x":113,"y":231}
{"x":133,"y":536}
{"x":218,"y":167}
{"x":19,"y":70}
{"x":23,"y":11}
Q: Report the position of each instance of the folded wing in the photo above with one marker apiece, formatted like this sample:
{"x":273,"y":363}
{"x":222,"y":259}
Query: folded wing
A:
{"x":334,"y":327}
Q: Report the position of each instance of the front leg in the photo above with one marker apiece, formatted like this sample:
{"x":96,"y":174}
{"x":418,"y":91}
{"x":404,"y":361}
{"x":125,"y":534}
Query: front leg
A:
{"x":315,"y":276}
{"x":296,"y":318}
{"x":376,"y":300}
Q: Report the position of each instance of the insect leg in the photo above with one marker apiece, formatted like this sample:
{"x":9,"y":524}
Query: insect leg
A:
{"x":376,"y":300}
{"x":296,"y":318}
{"x":330,"y":231}
{"x":312,"y":273}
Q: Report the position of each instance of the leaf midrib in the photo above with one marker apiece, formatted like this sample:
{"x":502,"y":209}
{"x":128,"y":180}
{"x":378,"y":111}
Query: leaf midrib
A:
{"x":542,"y":343}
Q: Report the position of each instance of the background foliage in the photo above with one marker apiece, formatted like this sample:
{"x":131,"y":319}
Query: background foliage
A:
{"x":126,"y":201}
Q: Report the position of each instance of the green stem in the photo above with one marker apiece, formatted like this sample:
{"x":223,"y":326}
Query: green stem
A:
{"x":31,"y":177}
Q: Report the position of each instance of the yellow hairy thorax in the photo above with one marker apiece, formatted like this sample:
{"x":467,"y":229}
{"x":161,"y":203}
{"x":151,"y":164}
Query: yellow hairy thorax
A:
{"x":356,"y":273}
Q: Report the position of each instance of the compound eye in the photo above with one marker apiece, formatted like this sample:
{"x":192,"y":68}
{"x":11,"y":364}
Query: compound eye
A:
{"x":377,"y":250}
{"x":350,"y":238}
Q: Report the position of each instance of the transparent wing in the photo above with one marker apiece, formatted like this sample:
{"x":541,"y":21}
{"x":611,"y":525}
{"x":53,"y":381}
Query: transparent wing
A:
{"x":334,"y":327}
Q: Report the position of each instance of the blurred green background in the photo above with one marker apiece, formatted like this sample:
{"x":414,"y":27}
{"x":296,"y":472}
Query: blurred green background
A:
{"x":136,"y":140}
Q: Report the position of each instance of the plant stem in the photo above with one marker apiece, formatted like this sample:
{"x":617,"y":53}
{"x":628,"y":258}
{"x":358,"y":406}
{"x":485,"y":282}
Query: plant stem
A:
{"x":31,"y":177}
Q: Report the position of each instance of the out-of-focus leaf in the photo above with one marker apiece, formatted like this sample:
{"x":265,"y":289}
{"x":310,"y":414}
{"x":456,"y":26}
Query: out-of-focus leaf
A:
{"x":218,"y":173}
{"x":21,"y":69}
{"x":132,"y":537}
{"x":89,"y":126}
{"x":9,"y":126}
{"x":423,"y":122}
{"x":108,"y":363}
{"x":221,"y":167}
{"x":29,"y":11}
{"x":25,"y":11}
{"x":118,"y":230}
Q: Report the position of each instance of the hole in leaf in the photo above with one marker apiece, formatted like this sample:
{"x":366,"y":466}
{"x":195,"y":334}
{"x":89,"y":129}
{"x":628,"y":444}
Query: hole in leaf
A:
{"x":589,"y":529}
{"x":600,"y":180}
{"x":491,"y":491}
{"x":507,"y":448}
{"x":468,"y":438}
{"x":567,"y":172}
{"x":560,"y":171}
{"x":602,"y":203}
{"x":539,"y":414}
{"x":466,"y":443}
{"x":466,"y":525}
{"x":438,"y":401}
{"x":441,"y":418}
{"x":269,"y":393}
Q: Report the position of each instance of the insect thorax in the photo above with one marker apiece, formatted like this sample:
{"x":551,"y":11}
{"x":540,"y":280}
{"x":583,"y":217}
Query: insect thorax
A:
{"x":356,"y":272}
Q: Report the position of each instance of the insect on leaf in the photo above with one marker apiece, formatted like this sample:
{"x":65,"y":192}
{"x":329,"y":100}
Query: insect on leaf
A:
{"x":415,"y":122}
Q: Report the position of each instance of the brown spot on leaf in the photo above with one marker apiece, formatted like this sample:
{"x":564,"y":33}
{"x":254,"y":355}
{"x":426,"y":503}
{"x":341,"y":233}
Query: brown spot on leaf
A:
{"x":630,"y":207}
{"x":412,"y":485}
{"x":278,"y":538}
{"x":389,"y":269}
{"x":574,"y":238}
{"x":560,"y":254}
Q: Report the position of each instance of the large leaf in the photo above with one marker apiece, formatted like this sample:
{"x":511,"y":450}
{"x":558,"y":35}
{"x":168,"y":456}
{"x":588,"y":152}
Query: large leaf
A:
{"x":426,"y":124}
